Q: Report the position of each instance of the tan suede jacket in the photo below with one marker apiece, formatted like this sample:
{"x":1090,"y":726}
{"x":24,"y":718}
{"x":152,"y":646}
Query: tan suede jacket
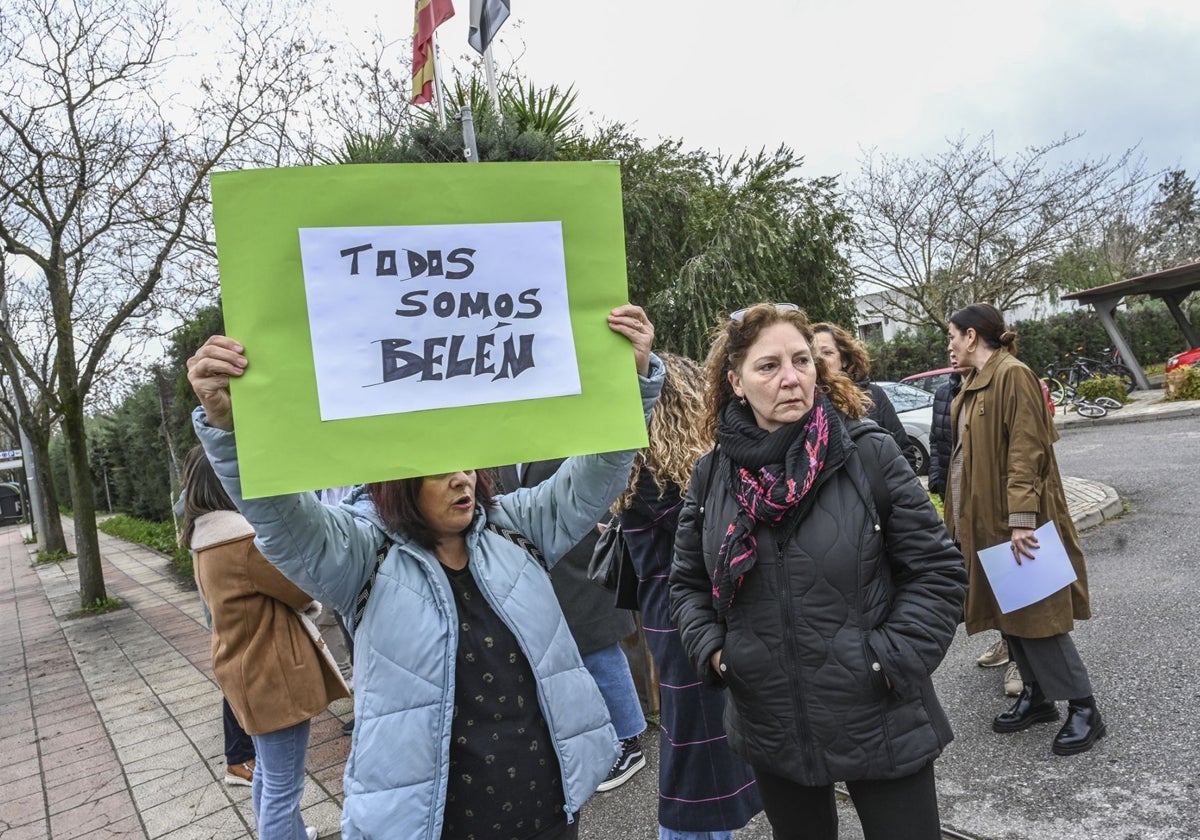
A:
{"x":266,"y":654}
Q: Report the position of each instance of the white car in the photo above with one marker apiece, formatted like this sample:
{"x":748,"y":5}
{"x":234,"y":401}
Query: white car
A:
{"x":914,"y":407}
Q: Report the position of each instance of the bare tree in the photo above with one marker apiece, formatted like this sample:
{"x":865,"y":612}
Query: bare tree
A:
{"x":103,"y":185}
{"x":969,"y":225}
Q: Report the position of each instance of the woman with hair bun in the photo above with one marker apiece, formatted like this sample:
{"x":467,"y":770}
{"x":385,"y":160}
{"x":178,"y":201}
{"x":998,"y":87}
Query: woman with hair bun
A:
{"x":1003,"y":485}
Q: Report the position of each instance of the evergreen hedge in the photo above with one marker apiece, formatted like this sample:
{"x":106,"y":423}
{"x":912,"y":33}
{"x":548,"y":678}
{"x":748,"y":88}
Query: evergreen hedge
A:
{"x":1147,"y":324}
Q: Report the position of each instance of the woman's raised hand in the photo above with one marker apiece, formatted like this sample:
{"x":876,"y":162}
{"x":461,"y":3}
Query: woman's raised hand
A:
{"x":208,"y":373}
{"x":631,"y":322}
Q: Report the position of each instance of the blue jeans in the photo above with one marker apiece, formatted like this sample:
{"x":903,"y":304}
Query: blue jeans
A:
{"x":610,"y":669}
{"x":665,"y":833}
{"x":279,"y":782}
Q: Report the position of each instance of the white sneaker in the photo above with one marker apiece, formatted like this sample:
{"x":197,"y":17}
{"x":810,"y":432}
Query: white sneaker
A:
{"x":1013,"y":683}
{"x":311,"y":832}
{"x":995,"y":656}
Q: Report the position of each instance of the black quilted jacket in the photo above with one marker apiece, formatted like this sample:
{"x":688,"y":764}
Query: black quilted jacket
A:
{"x":830,"y":642}
{"x":940,"y":434}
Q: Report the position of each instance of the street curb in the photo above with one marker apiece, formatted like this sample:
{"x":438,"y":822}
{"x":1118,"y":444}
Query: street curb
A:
{"x":1110,"y":507}
{"x":1117,"y":418}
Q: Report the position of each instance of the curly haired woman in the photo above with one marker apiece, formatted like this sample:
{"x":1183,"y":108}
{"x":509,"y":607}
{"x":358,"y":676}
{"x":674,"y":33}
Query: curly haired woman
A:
{"x":704,"y":790}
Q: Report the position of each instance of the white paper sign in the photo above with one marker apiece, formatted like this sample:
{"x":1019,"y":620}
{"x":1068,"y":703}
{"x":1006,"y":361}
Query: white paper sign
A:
{"x":1019,"y":586}
{"x":437,"y":316}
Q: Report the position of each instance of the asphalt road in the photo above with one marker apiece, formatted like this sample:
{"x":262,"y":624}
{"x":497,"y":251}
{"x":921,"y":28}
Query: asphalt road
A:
{"x":1141,"y":647}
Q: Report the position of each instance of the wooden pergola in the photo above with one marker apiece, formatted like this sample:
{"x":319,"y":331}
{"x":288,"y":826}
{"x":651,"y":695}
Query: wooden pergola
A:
{"x":1171,"y":285}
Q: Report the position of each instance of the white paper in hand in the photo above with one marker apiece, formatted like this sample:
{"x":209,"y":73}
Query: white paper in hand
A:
{"x":1019,"y":586}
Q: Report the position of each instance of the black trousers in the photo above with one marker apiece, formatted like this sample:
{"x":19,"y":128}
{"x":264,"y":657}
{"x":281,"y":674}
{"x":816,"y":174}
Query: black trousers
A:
{"x":889,"y":809}
{"x":238,"y":747}
{"x":1053,"y":663}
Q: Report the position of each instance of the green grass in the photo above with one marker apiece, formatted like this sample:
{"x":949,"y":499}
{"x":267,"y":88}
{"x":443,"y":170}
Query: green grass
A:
{"x":53,"y":556}
{"x":937,"y":503}
{"x":159,"y":536}
{"x":99,"y":607}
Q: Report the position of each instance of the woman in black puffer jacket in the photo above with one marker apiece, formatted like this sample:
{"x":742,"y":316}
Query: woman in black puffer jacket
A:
{"x":824,"y":622}
{"x":940,"y":434}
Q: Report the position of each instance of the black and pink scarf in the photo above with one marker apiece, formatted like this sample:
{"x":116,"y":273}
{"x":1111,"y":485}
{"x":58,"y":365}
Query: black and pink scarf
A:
{"x":773,"y":472}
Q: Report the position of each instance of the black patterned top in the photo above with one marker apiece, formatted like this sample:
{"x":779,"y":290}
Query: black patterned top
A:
{"x":505,"y":782}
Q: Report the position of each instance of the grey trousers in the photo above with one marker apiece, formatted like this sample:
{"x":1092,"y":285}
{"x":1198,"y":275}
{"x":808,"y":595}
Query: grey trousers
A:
{"x":1054,"y":664}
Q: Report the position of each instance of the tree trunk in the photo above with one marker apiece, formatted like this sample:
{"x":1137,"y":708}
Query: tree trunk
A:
{"x":52,"y":540}
{"x":83,"y":498}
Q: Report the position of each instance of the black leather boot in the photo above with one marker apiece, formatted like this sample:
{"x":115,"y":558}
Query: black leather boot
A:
{"x":1031,"y":707}
{"x":1083,"y":728}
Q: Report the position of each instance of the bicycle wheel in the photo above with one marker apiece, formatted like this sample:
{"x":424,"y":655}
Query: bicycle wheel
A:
{"x":1058,"y":391}
{"x":1107,"y":403}
{"x":1088,"y":409}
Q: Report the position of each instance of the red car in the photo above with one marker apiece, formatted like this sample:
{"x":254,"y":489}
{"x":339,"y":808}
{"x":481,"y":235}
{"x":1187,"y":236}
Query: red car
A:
{"x":1187,"y":357}
{"x":931,"y":380}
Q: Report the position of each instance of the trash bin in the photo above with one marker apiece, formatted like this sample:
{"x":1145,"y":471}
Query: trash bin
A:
{"x":10,"y":504}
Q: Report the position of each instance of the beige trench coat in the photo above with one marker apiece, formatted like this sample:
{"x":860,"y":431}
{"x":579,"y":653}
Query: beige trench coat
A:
{"x":1007,"y":447}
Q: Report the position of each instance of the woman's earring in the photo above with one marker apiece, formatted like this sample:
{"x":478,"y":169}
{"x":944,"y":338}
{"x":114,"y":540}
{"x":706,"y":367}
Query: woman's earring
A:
{"x":742,"y":400}
{"x":823,"y":388}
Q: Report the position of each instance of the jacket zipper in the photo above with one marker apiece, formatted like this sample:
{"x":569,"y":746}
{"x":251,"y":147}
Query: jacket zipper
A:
{"x":449,"y":614}
{"x":863,"y":630}
{"x":790,"y":645}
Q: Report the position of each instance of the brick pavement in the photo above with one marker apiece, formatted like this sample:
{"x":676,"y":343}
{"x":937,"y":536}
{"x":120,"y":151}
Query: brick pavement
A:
{"x":111,"y":725}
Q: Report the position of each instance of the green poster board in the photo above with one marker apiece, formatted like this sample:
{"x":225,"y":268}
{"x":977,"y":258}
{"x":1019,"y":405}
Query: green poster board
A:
{"x":283,"y":444}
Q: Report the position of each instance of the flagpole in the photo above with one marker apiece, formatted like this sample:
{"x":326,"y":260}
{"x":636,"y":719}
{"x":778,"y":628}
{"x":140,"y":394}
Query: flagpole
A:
{"x":489,"y":70}
{"x":437,"y":83}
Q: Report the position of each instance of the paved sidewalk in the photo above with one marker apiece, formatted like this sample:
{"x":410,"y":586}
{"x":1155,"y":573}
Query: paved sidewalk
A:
{"x":110,"y":726}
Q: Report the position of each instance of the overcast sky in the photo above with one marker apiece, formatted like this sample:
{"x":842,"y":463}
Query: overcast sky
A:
{"x":832,"y":79}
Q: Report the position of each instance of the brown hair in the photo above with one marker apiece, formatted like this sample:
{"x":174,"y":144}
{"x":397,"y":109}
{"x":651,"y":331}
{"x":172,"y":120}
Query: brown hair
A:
{"x":396,"y":501}
{"x":732,"y":339}
{"x":202,"y":492}
{"x":855,"y":359}
{"x":988,"y":324}
{"x":677,"y":435}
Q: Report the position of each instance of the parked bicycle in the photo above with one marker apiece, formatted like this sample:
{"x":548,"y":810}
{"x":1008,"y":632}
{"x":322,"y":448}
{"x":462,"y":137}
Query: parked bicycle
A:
{"x":1063,"y":378}
{"x":1098,"y":407}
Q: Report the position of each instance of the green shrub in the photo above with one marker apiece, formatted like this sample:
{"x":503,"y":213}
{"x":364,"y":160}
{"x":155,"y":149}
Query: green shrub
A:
{"x":159,"y":536}
{"x":938,"y":505}
{"x":1184,"y":383}
{"x":1102,"y":386}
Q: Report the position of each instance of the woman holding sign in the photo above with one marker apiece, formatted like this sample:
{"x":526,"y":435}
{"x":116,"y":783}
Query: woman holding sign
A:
{"x":474,"y":714}
{"x":814,"y":581}
{"x":1004,"y":484}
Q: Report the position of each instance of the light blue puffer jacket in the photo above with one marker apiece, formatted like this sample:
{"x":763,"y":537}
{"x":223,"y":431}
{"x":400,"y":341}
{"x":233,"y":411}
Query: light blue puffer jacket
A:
{"x":395,"y":780}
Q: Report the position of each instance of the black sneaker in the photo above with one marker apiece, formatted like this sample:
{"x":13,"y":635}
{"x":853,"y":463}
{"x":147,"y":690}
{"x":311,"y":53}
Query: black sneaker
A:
{"x":348,"y":727}
{"x":630,"y":761}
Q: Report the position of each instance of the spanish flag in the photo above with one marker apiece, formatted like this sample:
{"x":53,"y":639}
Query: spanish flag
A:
{"x":430,"y":14}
